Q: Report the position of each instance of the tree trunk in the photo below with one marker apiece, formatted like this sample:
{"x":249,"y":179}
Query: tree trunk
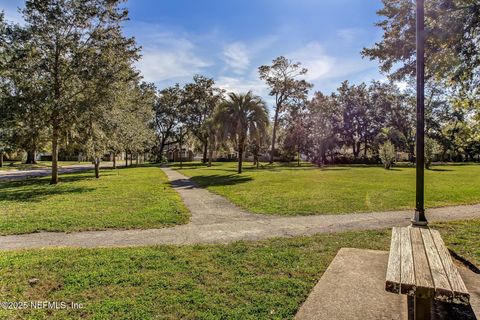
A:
{"x":136,"y":160}
{"x":180,"y":154}
{"x":97,"y":167}
{"x":114,"y":159}
{"x":31,"y":156}
{"x":240,"y":158}
{"x":411,"y":152}
{"x":274,"y":134}
{"x":1,"y":159}
{"x":205,"y":150}
{"x":54,"y":179}
{"x":54,"y":118}
{"x":320,"y":155}
{"x":210,"y":154}
{"x":298,"y":157}
{"x":131,"y":159}
{"x":366,"y":147}
{"x":159,"y":156}
{"x":323,"y":154}
{"x":354,"y":149}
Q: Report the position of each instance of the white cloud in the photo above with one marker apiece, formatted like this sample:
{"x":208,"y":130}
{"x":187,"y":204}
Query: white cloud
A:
{"x":159,"y":65}
{"x":313,"y":57}
{"x":237,"y":57}
{"x":325,"y":71}
{"x":348,"y":35}
{"x":167,"y":57}
{"x":241,"y":85}
{"x":322,"y":66}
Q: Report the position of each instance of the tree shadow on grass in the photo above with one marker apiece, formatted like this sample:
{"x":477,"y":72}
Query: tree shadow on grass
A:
{"x":216,"y":180}
{"x":439,"y":169}
{"x":189,"y":165}
{"x":265,"y":167}
{"x":121,"y":166}
{"x":181,"y":183}
{"x":334,"y":168}
{"x":38,"y":188}
{"x":297,"y":168}
{"x":213,"y":167}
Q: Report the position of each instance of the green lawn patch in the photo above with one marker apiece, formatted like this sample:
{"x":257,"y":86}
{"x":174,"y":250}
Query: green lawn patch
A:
{"x":138,"y":197}
{"x":290,"y":190}
{"x":463,"y":237}
{"x":268,"y":279}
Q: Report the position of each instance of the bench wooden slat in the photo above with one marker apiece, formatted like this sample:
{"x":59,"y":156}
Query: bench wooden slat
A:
{"x":425,"y":266}
{"x":460,"y":292}
{"x":392,"y":283}
{"x":423,"y":277}
{"x":443,"y":290}
{"x":406,"y":267}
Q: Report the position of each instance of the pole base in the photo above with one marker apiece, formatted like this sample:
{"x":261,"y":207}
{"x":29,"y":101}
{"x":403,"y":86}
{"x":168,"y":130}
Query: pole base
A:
{"x":419,"y":219}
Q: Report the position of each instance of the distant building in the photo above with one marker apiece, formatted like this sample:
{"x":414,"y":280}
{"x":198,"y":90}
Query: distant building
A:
{"x":174,"y":154}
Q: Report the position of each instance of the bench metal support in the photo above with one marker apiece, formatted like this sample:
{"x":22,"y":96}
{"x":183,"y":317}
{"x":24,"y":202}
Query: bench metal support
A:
{"x":422,"y":308}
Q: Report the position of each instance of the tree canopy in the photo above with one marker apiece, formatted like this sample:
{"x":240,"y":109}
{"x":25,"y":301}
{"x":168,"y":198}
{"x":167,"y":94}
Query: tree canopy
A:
{"x":282,"y":77}
{"x":452,"y":51}
{"x":242,"y":118}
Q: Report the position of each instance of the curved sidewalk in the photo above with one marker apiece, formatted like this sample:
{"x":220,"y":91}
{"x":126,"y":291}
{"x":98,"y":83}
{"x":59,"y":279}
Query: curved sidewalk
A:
{"x":8,"y":175}
{"x":215,"y":220}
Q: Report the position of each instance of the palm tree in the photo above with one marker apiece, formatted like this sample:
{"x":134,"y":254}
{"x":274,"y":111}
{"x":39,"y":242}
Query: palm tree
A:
{"x":240,"y":118}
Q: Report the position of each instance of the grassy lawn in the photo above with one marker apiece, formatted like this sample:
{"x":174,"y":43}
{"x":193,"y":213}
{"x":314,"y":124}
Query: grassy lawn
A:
{"x":17,"y":165}
{"x":255,"y":280}
{"x":138,"y":197}
{"x":290,"y":190}
{"x":463,"y":237}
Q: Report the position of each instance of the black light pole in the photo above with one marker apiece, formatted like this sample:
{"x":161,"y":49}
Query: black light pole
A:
{"x":419,"y":218}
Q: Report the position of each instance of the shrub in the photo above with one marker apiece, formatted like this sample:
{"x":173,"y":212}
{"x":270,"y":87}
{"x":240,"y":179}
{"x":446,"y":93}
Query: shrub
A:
{"x":349,"y":159}
{"x":387,"y":154}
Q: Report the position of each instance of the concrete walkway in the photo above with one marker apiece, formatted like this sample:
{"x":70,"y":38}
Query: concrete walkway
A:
{"x":25,"y":174}
{"x":216,"y":220}
{"x":353,"y":287}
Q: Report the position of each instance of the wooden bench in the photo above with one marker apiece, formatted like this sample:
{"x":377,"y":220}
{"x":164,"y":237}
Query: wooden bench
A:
{"x":419,"y":265}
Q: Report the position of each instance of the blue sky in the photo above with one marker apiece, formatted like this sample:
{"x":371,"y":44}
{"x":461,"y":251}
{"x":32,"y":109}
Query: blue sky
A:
{"x":229,"y":39}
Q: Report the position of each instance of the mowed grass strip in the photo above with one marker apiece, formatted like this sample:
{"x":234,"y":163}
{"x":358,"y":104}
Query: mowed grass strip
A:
{"x":463,"y":237}
{"x":268,"y":279}
{"x":125,"y":198}
{"x":289,"y":190}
